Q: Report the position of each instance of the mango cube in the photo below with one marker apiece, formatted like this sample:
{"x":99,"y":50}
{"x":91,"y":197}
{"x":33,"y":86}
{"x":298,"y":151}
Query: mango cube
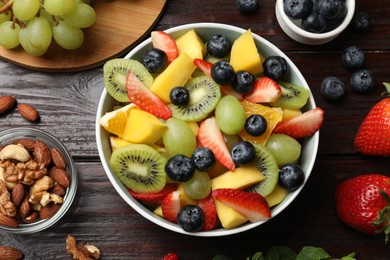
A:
{"x":276,"y":196}
{"x":241,"y":178}
{"x":244,"y":54}
{"x":143,"y":127}
{"x":176,"y":74}
{"x":229,"y":217}
{"x":192,"y":44}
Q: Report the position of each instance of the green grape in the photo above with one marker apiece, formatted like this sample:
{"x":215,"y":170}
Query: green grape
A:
{"x":59,"y":7}
{"x":6,"y":16}
{"x":24,"y":36}
{"x":88,"y":2}
{"x":230,"y":115}
{"x":40,"y":35}
{"x":67,"y":36}
{"x":179,"y":138}
{"x":284,"y":148}
{"x":50,"y":18}
{"x":9,"y":34}
{"x":25,"y":9}
{"x":199,"y":186}
{"x":81,"y":16}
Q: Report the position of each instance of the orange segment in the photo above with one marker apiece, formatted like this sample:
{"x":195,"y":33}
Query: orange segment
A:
{"x":273,"y":115}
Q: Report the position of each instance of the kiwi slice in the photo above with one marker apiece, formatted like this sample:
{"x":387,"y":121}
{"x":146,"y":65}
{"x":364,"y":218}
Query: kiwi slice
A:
{"x":139,"y":167}
{"x":115,"y":72}
{"x":267,"y":165}
{"x":204,"y":97}
{"x":293,"y":96}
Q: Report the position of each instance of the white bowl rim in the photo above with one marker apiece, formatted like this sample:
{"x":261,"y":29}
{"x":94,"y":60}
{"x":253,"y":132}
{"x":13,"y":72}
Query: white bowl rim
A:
{"x":319,"y":36}
{"x":146,"y":213}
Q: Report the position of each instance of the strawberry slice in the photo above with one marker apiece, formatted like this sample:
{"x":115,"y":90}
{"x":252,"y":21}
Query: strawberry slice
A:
{"x":264,"y":90}
{"x":163,"y":41}
{"x":210,"y":136}
{"x":204,"y":66}
{"x":228,"y":90}
{"x":301,"y":126}
{"x":251,"y":205}
{"x":153,"y":198}
{"x":210,"y":213}
{"x":170,"y":206}
{"x":140,"y":95}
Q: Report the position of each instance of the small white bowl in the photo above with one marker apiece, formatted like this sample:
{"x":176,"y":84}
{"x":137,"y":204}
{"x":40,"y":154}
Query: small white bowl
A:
{"x":294,"y":31}
{"x":205,"y":31}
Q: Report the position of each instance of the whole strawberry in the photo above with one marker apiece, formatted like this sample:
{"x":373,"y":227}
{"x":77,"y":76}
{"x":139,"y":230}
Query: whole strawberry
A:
{"x":373,"y":136}
{"x":362,"y":202}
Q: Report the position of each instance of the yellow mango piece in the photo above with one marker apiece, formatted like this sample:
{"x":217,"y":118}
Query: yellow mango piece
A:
{"x":143,"y":127}
{"x":276,"y":196}
{"x":290,"y":113}
{"x":115,"y":121}
{"x":241,"y":178}
{"x":229,"y":217}
{"x":184,"y":198}
{"x":158,"y":211}
{"x":192,"y":44}
{"x":244,"y":54}
{"x":176,"y":74}
{"x":194,"y":127}
{"x":117,"y":142}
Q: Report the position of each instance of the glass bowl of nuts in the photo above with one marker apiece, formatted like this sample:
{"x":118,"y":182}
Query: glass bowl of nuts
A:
{"x":38,"y":180}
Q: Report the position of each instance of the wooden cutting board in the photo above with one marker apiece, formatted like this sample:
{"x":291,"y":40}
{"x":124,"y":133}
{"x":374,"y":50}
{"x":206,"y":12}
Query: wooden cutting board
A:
{"x":120,"y":25}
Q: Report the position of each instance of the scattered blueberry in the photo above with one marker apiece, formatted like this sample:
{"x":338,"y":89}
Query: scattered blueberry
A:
{"x":352,"y":58}
{"x":297,"y":9}
{"x":203,"y":159}
{"x":243,"y":82}
{"x":291,"y":177}
{"x":248,"y":6}
{"x":190,"y":218}
{"x":314,"y":23}
{"x":243,"y":152}
{"x":361,"y":22}
{"x":179,"y":96}
{"x":222,"y":72}
{"x":255,"y":125}
{"x":155,"y":60}
{"x":219,"y":46}
{"x":332,"y":89}
{"x":180,"y":168}
{"x":329,"y":9}
{"x":275,"y":67}
{"x":362,"y":81}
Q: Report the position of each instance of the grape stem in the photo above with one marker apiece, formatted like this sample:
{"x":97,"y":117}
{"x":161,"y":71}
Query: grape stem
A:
{"x":6,"y":6}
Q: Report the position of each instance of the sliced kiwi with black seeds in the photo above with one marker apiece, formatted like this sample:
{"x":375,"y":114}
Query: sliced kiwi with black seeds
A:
{"x":115,"y":72}
{"x":293,"y":96}
{"x":204,"y":97}
{"x":139,"y":167}
{"x":267,"y":165}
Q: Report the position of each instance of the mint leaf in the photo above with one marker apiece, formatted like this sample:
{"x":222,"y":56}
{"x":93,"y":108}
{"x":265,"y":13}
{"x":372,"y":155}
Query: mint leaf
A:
{"x":257,"y":256}
{"x":351,"y":256}
{"x":313,"y":253}
{"x":280,"y":253}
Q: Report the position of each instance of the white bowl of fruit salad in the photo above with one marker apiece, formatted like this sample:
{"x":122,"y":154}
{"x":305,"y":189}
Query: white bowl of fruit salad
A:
{"x":207,"y":129}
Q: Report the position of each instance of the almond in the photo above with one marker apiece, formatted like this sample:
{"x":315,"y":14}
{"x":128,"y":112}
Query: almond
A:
{"x":58,"y":190}
{"x":42,"y":153}
{"x":27,"y":143}
{"x":49,"y":210}
{"x":28,"y":112}
{"x":6,"y":104}
{"x":33,"y":217}
{"x":60,"y":176}
{"x":58,"y":158}
{"x":25,"y":208}
{"x":10,"y":253}
{"x":8,"y":221}
{"x":17,"y":194}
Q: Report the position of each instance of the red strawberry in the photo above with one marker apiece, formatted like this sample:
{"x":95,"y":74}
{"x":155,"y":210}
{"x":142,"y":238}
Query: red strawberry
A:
{"x":373,"y":136}
{"x":210,"y":213}
{"x":362,"y":202}
{"x":170,"y":206}
{"x":153,"y":198}
{"x":264,"y":90}
{"x":140,"y":95}
{"x":251,"y":205}
{"x":163,"y":41}
{"x":303,"y":125}
{"x":170,"y":256}
{"x":210,"y":136}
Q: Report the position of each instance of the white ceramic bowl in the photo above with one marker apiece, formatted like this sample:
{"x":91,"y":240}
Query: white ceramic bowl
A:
{"x":205,"y":30}
{"x":293,"y":30}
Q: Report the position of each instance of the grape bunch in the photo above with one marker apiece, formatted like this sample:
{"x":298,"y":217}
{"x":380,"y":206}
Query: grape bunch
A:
{"x":34,"y":24}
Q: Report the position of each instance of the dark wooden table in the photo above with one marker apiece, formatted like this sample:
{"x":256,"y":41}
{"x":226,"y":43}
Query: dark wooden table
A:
{"x":67,"y":104}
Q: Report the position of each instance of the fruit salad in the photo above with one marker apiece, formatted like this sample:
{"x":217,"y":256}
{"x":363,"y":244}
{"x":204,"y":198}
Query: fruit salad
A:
{"x":207,"y":133}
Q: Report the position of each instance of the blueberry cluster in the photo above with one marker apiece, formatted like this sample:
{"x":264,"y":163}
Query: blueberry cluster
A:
{"x":317,"y":16}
